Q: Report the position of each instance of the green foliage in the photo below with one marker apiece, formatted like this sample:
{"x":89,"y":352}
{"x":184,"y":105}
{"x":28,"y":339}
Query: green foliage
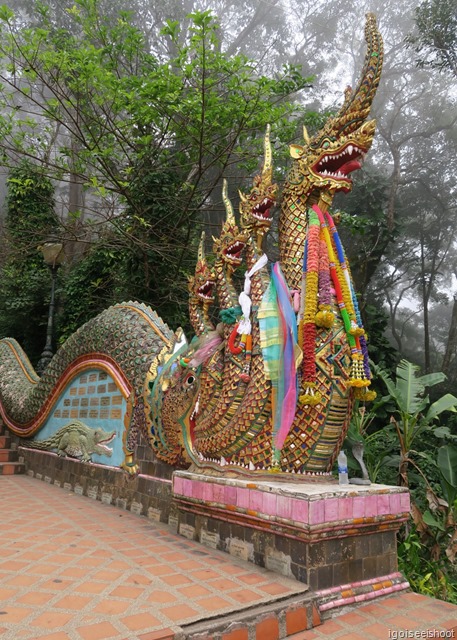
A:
{"x":379,"y":443}
{"x":428,"y":547}
{"x":30,"y":217}
{"x":119,"y":101}
{"x":90,"y":287}
{"x":379,"y":347}
{"x":407,"y":394}
{"x":25,"y":279}
{"x":436,"y":39}
{"x":425,"y":575}
{"x":119,"y":268}
{"x":432,"y":569}
{"x":151,"y":136}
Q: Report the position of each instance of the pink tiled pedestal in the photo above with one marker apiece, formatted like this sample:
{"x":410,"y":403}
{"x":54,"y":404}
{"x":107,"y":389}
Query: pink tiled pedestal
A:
{"x":340,"y":540}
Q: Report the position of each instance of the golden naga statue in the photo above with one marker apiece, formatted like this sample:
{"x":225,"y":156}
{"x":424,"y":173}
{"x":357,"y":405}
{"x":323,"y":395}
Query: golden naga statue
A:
{"x":295,"y":357}
{"x":270,"y":389}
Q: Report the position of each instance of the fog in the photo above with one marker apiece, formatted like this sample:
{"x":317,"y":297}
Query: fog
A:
{"x":402,"y":212}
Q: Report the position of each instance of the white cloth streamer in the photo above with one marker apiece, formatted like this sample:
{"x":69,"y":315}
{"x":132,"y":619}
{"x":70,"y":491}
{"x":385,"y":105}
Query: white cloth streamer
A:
{"x":244,"y":326}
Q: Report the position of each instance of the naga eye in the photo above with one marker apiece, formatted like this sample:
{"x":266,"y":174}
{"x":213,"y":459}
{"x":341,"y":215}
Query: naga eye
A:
{"x":326,"y":144}
{"x":190,"y":380}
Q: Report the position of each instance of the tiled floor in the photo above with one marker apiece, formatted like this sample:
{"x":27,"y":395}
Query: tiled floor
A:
{"x":72,"y":568}
{"x":406,"y":615}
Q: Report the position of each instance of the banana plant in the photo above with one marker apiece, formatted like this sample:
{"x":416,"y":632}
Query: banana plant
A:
{"x":377,"y":445}
{"x":413,"y":413}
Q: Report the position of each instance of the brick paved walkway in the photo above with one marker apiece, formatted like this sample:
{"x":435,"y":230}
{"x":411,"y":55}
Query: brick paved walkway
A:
{"x":72,"y":568}
{"x":405,"y":613}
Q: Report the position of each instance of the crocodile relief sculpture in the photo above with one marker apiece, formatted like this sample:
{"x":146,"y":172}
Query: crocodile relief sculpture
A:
{"x":270,"y":386}
{"x":76,"y":440}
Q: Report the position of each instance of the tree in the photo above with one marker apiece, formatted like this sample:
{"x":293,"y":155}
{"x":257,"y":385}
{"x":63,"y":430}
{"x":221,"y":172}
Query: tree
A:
{"x":148,"y":138}
{"x":25,"y":281}
{"x":436,"y":38}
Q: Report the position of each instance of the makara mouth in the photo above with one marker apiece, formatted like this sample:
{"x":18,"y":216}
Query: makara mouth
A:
{"x":339,"y":165}
{"x":262,"y":210}
{"x":205,"y":291}
{"x":233,"y":252}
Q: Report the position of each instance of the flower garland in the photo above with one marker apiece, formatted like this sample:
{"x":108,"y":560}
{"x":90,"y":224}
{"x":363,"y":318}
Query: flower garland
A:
{"x":345,"y":279}
{"x":362,"y":393}
{"x":307,"y":328}
{"x":324,"y":317}
{"x":346,"y":299}
{"x":360,"y":370}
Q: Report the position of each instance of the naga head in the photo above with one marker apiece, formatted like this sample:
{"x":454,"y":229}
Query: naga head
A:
{"x":231,"y":243}
{"x":325,"y":162}
{"x":169,"y":395}
{"x":202,"y":283}
{"x":255,"y":207}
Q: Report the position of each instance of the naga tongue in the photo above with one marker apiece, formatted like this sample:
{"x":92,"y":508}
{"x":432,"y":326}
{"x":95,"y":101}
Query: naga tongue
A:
{"x":352,"y":165}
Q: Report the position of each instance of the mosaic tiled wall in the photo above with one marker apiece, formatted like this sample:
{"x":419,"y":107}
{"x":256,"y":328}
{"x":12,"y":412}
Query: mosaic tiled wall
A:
{"x":94,"y":398}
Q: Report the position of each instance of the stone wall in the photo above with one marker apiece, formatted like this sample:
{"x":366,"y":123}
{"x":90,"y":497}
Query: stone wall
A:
{"x":338,"y":539}
{"x":147,"y":495}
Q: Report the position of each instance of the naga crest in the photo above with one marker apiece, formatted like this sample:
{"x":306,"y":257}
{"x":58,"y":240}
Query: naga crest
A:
{"x":202,"y":284}
{"x":328,"y":158}
{"x":231,"y":243}
{"x":255,"y":207}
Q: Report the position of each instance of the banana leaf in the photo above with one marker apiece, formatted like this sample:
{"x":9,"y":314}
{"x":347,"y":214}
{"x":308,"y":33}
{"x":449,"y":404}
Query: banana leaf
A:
{"x":447,"y":462}
{"x":448,"y":402}
{"x":430,"y":379}
{"x":430,"y":519}
{"x":409,"y":388}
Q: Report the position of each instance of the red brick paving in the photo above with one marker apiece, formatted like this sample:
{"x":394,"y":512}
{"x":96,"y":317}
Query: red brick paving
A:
{"x":72,"y":568}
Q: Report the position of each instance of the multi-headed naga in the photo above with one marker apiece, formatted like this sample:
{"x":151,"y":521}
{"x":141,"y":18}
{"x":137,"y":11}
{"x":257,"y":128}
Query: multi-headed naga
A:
{"x":269,"y":388}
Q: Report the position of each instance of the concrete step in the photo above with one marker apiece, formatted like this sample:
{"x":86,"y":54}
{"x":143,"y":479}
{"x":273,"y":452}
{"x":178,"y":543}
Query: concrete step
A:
{"x":5,"y":441}
{"x":8,"y":455}
{"x":11,"y":468}
{"x":9,"y":463}
{"x":281,"y":619}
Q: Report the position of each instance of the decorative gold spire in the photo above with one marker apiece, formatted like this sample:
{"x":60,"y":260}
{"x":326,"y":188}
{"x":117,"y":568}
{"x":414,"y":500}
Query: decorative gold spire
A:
{"x":267,"y":170}
{"x":201,"y":248}
{"x":230,"y":216}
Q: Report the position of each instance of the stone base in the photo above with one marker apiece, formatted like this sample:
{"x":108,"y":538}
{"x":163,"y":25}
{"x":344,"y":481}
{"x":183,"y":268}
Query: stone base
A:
{"x":338,"y":539}
{"x":144,"y":495}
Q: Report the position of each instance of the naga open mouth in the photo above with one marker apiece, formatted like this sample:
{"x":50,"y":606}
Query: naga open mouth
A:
{"x":233,"y":252}
{"x":338,"y":165}
{"x":262,"y":210}
{"x":205,"y":291}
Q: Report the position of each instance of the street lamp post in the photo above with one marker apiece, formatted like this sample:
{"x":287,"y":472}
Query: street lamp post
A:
{"x":53,"y":256}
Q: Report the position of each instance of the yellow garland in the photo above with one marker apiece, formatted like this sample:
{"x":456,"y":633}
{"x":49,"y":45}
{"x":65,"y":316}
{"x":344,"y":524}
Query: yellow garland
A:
{"x":347,"y":298}
{"x":362,"y":393}
{"x":309,"y":399}
{"x":356,"y":330}
{"x":311,"y":296}
{"x":300,"y":332}
{"x":311,"y":396}
{"x":324,"y":317}
{"x":358,"y":382}
{"x":357,"y":378}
